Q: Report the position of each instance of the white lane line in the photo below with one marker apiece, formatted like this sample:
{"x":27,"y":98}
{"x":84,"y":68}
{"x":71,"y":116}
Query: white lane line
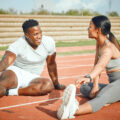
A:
{"x":19,"y":105}
{"x":75,"y":66}
{"x":75,"y":76}
{"x":71,"y":66}
{"x":30,"y":103}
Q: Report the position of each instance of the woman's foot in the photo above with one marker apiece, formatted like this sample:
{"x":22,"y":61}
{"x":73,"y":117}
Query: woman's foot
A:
{"x":69,"y":104}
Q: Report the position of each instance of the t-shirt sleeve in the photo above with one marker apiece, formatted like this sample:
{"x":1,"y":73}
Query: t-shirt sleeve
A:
{"x":50,"y":45}
{"x":14,"y":47}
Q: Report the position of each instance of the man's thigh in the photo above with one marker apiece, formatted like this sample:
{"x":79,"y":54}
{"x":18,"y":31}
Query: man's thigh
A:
{"x":24,"y":77}
{"x":42,"y":81}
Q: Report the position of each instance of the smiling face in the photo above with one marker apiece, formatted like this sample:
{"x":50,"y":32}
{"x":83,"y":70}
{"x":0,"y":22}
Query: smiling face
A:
{"x":92,"y":30}
{"x":34,"y":36}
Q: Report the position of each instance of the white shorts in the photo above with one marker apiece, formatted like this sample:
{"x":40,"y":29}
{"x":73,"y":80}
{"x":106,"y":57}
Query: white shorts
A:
{"x":24,"y":77}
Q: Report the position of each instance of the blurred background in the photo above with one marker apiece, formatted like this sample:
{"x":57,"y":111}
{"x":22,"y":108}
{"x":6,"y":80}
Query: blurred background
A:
{"x":66,"y":21}
{"x":61,"y":7}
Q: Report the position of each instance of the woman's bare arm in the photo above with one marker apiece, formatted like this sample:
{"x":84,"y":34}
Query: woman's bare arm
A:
{"x":102,"y":62}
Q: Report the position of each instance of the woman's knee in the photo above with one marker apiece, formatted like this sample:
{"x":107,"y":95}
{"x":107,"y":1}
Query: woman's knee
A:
{"x":85,"y":89}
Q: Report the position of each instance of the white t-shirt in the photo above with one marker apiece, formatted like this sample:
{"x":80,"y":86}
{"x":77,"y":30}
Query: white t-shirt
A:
{"x":29,"y":59}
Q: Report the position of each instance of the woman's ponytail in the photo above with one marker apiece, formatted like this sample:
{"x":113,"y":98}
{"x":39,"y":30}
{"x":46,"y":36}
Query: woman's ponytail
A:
{"x":104,"y":23}
{"x":113,"y":39}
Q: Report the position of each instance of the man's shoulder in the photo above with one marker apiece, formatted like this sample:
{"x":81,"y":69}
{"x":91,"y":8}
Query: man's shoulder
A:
{"x":47,"y":38}
{"x":17,"y":46}
{"x":48,"y":43}
{"x":19,"y":43}
{"x":20,"y":40}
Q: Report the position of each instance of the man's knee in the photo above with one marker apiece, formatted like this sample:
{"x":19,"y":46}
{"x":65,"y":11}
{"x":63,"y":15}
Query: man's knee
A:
{"x":2,"y":91}
{"x":48,"y":85}
{"x":8,"y":79}
{"x":43,"y":87}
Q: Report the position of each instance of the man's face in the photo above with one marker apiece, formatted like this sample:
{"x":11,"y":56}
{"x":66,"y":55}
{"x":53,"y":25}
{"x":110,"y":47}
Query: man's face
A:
{"x":34,"y":36}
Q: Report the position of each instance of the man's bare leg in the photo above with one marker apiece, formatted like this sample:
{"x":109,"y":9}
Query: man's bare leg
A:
{"x":8,"y":80}
{"x":37,"y":87}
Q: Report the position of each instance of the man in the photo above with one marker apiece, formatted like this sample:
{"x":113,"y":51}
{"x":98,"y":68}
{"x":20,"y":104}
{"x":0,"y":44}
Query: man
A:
{"x":23,"y":62}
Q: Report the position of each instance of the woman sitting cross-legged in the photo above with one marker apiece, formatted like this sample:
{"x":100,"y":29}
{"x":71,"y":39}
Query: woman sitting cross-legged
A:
{"x":107,"y":57}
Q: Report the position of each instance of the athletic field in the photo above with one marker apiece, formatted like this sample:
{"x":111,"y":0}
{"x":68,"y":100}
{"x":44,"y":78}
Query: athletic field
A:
{"x":70,"y":67}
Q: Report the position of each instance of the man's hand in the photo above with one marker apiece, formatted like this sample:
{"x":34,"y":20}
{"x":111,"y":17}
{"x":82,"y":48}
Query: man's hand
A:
{"x":59,"y":86}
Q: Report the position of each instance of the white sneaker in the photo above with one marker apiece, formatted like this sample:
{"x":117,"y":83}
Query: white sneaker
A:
{"x":69,"y":104}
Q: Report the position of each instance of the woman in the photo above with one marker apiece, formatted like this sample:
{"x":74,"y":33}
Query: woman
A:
{"x":107,"y":57}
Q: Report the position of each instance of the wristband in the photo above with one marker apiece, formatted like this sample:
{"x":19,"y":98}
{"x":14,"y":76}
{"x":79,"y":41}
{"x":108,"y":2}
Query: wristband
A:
{"x":88,"y":76}
{"x":57,"y":86}
{"x":7,"y":92}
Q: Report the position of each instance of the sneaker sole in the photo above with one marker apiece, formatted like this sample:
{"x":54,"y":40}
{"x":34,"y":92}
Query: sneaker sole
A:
{"x":69,"y":94}
{"x":68,"y":97}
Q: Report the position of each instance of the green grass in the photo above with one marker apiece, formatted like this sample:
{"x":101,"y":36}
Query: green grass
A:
{"x":75,"y":52}
{"x":75,"y":43}
{"x":3,"y":48}
{"x":1,"y":57}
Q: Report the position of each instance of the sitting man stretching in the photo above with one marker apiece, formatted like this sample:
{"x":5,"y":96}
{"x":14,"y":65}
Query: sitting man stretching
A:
{"x":24,"y":61}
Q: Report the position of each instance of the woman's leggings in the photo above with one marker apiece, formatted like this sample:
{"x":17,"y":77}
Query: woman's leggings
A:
{"x":108,"y":93}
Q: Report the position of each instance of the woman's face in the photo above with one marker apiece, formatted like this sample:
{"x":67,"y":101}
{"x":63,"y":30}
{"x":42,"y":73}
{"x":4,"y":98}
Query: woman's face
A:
{"x":92,"y":30}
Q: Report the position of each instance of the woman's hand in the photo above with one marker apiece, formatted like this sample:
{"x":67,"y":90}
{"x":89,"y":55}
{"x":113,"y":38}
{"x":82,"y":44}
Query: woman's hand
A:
{"x":94,"y":91}
{"x":81,"y":81}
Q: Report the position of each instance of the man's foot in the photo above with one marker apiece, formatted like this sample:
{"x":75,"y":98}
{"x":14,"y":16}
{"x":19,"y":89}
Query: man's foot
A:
{"x":69,"y":105}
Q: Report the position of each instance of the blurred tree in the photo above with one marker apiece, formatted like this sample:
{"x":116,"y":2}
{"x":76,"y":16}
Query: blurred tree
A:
{"x":12,"y":11}
{"x":86,"y":12}
{"x":72,"y":12}
{"x":3,"y":11}
{"x":43,"y":12}
{"x":113,"y":14}
{"x":95,"y":13}
{"x":33,"y":12}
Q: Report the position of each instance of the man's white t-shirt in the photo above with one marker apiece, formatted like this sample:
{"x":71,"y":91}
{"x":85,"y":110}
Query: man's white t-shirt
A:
{"x":29,"y":59}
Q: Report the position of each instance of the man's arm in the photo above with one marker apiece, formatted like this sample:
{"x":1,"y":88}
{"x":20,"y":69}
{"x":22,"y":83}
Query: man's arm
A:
{"x":52,"y":70}
{"x":7,"y":60}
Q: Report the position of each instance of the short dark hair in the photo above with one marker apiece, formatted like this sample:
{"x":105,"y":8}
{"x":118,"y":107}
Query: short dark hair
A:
{"x":103,"y":23}
{"x":28,"y":24}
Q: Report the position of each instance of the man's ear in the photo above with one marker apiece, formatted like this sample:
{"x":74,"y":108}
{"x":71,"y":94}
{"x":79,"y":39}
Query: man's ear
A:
{"x":26,"y":35}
